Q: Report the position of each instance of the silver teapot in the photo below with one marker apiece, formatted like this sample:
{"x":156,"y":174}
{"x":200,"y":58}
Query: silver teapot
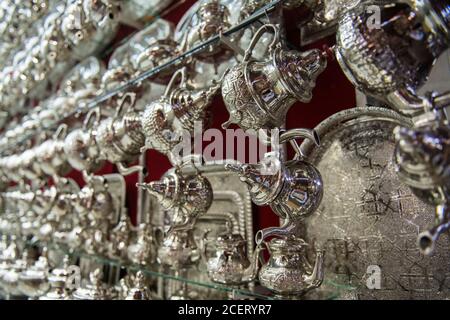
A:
{"x":139,"y":291}
{"x":293,"y":189}
{"x":80,"y":148}
{"x":211,"y":18}
{"x":95,"y":290}
{"x":287,"y":272}
{"x":230,"y":264}
{"x":392,"y":60}
{"x":165,"y":121}
{"x":259,"y":94}
{"x":178,"y":250}
{"x":188,"y":195}
{"x":58,"y":279}
{"x":120,"y":238}
{"x":422,"y":162}
{"x":33,"y":282}
{"x":10,"y":278}
{"x":157,"y":54}
{"x":51,"y":157}
{"x":120,"y":138}
{"x":143,"y":251}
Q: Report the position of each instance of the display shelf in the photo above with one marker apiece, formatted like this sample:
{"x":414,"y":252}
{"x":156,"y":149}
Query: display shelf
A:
{"x":95,"y":102}
{"x":154,"y":271}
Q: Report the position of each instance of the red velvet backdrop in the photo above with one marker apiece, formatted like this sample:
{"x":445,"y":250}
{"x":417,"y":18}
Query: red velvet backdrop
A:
{"x":333,"y":93}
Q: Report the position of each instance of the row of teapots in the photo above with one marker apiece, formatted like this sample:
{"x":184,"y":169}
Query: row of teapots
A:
{"x":158,"y":43}
{"x":22,"y":276}
{"x":227,"y":264}
{"x":70,"y":31}
{"x":121,"y":138}
{"x":90,"y":78}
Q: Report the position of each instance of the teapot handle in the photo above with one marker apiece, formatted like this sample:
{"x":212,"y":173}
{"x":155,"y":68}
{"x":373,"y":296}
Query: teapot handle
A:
{"x":123,"y":106}
{"x":258,"y":35}
{"x":90,"y":120}
{"x":293,"y":134}
{"x":61,"y":132}
{"x":180,"y":72}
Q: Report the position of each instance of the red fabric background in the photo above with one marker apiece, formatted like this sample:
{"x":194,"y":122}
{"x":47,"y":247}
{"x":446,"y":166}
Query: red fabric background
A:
{"x":333,"y":93}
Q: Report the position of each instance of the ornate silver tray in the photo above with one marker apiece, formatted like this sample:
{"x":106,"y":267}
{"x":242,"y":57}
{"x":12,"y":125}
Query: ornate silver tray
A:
{"x":369,"y":221}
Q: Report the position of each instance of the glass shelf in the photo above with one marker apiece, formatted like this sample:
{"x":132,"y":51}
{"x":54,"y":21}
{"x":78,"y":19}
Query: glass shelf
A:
{"x":258,"y":292}
{"x":95,"y":102}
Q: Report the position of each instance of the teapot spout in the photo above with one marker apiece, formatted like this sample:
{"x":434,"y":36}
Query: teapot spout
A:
{"x":252,"y":271}
{"x":428,"y":239}
{"x":187,"y":224}
{"x":316,"y":278}
{"x":288,"y":229}
{"x":157,"y":189}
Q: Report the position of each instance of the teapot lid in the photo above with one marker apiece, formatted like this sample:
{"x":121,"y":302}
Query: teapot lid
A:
{"x":230,"y":239}
{"x":60,"y":275}
{"x":293,"y":243}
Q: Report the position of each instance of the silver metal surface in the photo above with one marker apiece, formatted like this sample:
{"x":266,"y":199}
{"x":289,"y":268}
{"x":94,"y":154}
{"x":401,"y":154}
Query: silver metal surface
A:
{"x":368,"y":219}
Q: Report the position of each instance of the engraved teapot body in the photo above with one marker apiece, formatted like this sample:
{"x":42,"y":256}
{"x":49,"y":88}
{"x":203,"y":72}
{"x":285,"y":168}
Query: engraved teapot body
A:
{"x":287,"y":272}
{"x":259,"y":94}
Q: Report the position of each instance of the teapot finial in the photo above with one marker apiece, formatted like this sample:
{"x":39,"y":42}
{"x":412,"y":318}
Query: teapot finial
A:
{"x":263,"y":187}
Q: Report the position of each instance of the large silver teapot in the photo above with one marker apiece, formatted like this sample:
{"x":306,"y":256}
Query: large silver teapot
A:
{"x":258,"y":94}
{"x":294,"y":189}
{"x":392,"y":59}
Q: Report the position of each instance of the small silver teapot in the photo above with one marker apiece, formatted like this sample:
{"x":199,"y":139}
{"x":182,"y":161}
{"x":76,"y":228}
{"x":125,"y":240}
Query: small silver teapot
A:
{"x":143,"y":251}
{"x":58,"y":279}
{"x":139,"y":291}
{"x":33,"y":282}
{"x":211,"y":18}
{"x":95,"y":290}
{"x":158,"y":53}
{"x":165,"y":121}
{"x":120,"y":138}
{"x":179,"y":249}
{"x":82,"y":153}
{"x":188,"y":195}
{"x":120,"y":238}
{"x":258,"y":94}
{"x":287,"y":272}
{"x":230,"y":264}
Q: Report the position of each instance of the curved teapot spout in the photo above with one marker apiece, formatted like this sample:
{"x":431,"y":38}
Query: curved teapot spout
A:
{"x":157,"y":189}
{"x":428,"y":239}
{"x":316,"y":278}
{"x":252,"y":271}
{"x":288,"y":229}
{"x":187,"y":224}
{"x":125,"y":171}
